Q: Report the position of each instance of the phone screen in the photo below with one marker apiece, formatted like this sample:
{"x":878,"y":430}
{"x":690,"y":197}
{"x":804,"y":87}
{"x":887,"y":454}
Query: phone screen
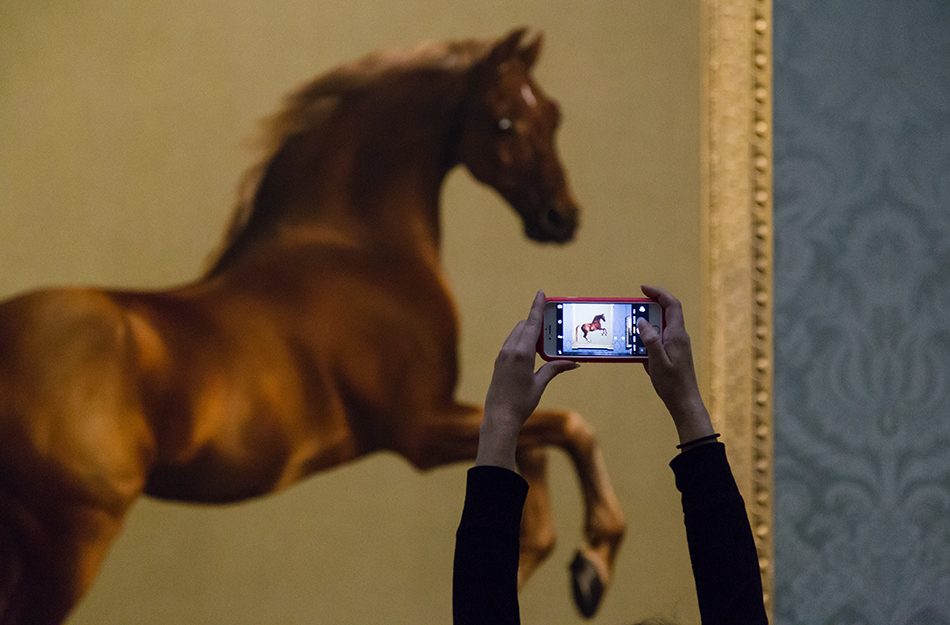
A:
{"x":598,"y":329}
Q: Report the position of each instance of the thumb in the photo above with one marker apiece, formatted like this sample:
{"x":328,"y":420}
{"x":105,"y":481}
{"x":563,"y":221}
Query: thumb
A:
{"x":551,"y":369}
{"x":652,"y":341}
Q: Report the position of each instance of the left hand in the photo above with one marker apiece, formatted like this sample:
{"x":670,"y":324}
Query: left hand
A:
{"x":515,"y":389}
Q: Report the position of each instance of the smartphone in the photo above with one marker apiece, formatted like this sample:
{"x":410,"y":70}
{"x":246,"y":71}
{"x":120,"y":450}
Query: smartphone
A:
{"x":596,"y":329}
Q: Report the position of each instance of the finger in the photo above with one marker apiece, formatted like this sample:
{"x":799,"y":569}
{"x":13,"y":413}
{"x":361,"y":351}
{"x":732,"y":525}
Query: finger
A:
{"x":649,"y":335}
{"x":537,"y":309}
{"x":653,"y":342}
{"x":661,"y":295}
{"x":531,"y":329}
{"x":538,"y":300}
{"x":513,"y":339}
{"x":550,"y":370}
{"x":672,"y":307}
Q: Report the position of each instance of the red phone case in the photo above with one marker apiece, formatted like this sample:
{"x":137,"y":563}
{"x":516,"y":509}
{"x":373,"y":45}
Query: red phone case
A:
{"x":621,"y":300}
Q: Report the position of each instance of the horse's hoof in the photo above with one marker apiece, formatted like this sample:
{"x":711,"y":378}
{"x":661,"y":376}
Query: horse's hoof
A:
{"x":587,"y":586}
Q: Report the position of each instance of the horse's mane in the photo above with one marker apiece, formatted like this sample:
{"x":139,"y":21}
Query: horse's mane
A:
{"x":314,"y":103}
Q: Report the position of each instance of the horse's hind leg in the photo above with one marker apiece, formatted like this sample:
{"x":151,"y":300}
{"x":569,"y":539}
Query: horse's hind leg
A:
{"x":46,"y":570}
{"x":10,"y":577}
{"x":78,"y":556}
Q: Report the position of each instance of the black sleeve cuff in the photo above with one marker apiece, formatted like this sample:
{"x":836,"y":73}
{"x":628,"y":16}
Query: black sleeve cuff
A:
{"x":494,"y":498}
{"x":703,"y":475}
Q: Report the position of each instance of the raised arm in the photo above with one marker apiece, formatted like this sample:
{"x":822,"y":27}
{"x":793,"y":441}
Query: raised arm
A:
{"x":515,"y":390}
{"x":671,"y":370}
{"x":485,"y":578}
{"x":721,"y":547}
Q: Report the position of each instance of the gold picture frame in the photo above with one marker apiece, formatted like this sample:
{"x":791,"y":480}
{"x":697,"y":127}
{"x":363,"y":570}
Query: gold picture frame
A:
{"x":737,"y":231}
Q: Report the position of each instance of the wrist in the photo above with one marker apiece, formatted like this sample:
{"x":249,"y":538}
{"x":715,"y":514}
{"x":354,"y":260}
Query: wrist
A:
{"x":499,"y":426}
{"x":697,"y":442}
{"x":497,"y":444}
{"x":496,"y":455}
{"x":692,"y":421}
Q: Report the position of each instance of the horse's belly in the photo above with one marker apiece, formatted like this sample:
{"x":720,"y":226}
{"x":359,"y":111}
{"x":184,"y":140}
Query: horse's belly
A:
{"x":251,"y":457}
{"x":222,"y":471}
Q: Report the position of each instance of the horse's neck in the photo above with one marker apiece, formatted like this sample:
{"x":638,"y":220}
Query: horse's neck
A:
{"x":369,"y":182}
{"x":397,"y":198}
{"x":389,"y":200}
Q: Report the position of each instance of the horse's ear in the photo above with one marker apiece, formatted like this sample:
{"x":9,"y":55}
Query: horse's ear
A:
{"x":529,"y":54}
{"x":504,"y":48}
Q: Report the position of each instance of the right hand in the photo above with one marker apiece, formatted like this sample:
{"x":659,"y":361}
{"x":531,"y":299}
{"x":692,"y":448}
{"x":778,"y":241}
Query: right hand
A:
{"x":670,"y":367}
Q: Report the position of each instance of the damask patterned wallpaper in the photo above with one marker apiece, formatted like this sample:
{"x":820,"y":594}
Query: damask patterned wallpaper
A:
{"x":862,"y":326}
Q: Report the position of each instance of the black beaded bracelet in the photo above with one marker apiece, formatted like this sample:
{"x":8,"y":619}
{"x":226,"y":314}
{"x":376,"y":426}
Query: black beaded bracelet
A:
{"x":696,"y":441}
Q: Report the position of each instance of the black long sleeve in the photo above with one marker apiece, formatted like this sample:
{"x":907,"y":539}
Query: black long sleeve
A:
{"x":485,"y":578}
{"x":721,"y":548}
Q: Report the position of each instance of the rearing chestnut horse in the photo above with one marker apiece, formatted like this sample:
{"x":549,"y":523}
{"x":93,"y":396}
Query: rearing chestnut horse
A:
{"x":227,"y":388}
{"x":597,"y":323}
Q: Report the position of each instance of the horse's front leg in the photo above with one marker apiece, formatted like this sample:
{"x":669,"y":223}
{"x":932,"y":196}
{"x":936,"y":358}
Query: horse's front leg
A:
{"x":605,"y":525}
{"x":452,"y":436}
{"x":537,"y":525}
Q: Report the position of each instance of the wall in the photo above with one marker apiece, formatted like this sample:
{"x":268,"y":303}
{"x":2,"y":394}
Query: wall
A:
{"x":123,"y":130}
{"x":862,"y":334}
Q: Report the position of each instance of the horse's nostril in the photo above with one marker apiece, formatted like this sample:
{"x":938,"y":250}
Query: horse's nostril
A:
{"x":555,"y":219}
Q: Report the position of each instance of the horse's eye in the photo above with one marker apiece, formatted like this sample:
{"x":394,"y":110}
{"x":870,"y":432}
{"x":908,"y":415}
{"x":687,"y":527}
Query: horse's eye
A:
{"x":505,"y":125}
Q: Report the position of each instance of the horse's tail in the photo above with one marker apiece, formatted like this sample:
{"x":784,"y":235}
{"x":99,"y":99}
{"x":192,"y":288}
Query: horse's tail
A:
{"x":576,"y":328}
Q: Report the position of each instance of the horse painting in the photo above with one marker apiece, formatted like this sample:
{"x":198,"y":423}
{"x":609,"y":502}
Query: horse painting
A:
{"x":226,"y":388}
{"x":596,"y":324}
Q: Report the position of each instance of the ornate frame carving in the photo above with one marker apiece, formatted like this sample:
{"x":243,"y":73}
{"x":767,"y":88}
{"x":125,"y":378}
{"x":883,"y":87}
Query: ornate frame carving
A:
{"x":737,"y":232}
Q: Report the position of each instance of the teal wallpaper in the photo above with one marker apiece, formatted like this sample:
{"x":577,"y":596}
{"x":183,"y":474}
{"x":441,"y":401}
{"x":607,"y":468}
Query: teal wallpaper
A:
{"x":862,"y":326}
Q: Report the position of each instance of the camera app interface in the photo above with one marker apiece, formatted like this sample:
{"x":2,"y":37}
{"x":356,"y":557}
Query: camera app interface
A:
{"x":608,"y":330}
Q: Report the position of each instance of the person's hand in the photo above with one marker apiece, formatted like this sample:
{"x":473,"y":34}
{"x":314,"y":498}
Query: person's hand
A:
{"x":515,"y":389}
{"x":671,"y":370}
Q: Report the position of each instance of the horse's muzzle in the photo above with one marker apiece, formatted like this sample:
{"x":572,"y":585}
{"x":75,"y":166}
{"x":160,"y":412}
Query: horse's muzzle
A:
{"x":555,"y":224}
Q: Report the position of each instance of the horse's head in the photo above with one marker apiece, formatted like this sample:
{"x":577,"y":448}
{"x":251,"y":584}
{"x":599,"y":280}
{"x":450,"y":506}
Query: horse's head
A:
{"x":508,"y":143}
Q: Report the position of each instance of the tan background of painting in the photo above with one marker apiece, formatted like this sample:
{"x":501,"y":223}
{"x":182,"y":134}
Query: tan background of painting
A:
{"x":123,"y":132}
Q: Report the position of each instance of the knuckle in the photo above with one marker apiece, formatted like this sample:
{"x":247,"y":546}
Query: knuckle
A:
{"x":505,"y":355}
{"x":512,"y":354}
{"x":523,"y":356}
